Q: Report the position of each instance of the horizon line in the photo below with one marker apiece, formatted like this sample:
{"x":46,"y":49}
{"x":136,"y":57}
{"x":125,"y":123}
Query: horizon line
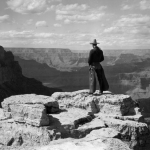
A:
{"x":78,"y":49}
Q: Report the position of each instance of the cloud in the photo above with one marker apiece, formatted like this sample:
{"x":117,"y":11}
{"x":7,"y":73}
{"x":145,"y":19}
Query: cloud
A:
{"x":75,"y":13}
{"x":133,"y":29}
{"x":129,"y":24}
{"x":57,"y":25}
{"x":144,"y":4}
{"x":15,"y":34}
{"x":4,"y":18}
{"x":30,"y":6}
{"x":47,"y":38}
{"x":76,"y":39}
{"x":133,"y":20}
{"x":114,"y":30}
{"x":41,"y":24}
{"x":139,"y":4}
{"x":29,"y":21}
{"x":126,"y":7}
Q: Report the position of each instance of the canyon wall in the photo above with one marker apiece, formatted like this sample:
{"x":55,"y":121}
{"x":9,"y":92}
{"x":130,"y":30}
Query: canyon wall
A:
{"x":12,"y":82}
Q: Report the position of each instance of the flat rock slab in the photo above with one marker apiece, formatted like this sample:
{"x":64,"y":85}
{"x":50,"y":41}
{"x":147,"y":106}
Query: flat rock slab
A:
{"x":47,"y":101}
{"x":30,"y":108}
{"x":69,"y":119}
{"x":69,"y":116}
{"x":104,"y":132}
{"x":107,"y":103}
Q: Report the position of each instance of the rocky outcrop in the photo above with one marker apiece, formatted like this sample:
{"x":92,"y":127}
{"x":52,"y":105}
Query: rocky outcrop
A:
{"x":12,"y":82}
{"x":80,"y":119}
{"x":31,"y":109}
{"x":107,"y":103}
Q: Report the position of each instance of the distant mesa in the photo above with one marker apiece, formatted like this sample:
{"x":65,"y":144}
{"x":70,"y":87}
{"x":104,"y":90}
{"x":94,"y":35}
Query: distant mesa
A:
{"x":58,"y":58}
{"x":66,"y":60}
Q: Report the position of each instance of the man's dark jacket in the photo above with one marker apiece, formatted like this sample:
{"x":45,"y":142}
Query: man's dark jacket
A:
{"x":95,"y":57}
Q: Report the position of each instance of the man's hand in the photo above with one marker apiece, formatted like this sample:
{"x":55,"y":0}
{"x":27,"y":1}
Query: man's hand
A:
{"x":91,"y":67}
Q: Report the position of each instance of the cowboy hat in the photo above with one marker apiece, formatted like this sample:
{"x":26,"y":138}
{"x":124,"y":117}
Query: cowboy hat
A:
{"x":94,"y":42}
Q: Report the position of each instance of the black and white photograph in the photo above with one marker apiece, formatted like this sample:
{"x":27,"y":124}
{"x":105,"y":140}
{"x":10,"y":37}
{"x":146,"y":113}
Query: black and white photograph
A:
{"x":74,"y":74}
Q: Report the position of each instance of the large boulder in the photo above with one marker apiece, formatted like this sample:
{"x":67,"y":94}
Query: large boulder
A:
{"x":30,"y":114}
{"x":28,"y":122}
{"x":108,"y":103}
{"x":30,"y":108}
{"x":47,"y":101}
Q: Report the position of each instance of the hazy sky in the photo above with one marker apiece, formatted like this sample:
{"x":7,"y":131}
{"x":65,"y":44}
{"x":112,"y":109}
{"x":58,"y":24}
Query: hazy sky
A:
{"x":116,"y":24}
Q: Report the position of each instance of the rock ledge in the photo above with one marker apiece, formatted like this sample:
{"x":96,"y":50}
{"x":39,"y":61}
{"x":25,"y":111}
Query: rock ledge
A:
{"x":83,"y":121}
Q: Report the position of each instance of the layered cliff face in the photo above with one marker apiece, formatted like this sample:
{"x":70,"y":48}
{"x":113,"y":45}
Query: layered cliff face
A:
{"x":60,"y":59}
{"x":67,"y":60}
{"x":12,"y":81}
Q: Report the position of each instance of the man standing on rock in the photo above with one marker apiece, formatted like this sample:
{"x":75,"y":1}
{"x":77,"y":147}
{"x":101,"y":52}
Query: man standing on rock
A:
{"x":95,"y":57}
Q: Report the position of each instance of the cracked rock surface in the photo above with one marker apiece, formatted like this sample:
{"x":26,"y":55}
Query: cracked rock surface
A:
{"x":73,"y":120}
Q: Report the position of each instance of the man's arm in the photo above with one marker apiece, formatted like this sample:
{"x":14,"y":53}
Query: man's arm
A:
{"x":102,"y":56}
{"x":90,"y":58}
